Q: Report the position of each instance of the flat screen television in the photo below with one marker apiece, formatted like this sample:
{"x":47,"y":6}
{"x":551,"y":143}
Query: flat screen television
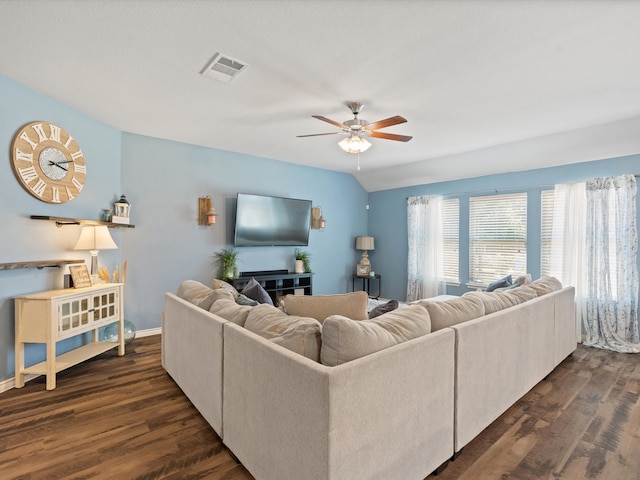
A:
{"x":271,"y":221}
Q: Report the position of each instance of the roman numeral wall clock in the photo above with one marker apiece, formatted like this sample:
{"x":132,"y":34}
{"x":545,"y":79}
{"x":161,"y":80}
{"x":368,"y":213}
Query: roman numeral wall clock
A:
{"x":48,"y":162}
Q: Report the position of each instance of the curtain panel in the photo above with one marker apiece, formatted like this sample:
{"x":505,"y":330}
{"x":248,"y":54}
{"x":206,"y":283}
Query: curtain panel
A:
{"x":425,"y":269}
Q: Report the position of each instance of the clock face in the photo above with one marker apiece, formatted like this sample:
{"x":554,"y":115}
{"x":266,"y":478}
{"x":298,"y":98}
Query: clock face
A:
{"x":48,"y":162}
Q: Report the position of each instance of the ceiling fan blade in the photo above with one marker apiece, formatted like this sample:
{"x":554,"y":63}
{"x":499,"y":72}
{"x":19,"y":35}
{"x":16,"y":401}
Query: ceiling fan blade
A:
{"x":387,"y":122}
{"x":328,"y":120}
{"x":391,"y":136}
{"x":318,"y":134}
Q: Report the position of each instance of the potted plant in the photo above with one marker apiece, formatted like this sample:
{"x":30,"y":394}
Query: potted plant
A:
{"x":226,"y":262}
{"x":302,"y":261}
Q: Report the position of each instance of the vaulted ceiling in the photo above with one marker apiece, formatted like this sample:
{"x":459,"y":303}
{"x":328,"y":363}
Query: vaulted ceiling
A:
{"x":486,"y":86}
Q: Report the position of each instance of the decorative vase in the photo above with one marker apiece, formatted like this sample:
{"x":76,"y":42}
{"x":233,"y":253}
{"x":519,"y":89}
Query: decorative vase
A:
{"x":110,"y":333}
{"x":299,"y":266}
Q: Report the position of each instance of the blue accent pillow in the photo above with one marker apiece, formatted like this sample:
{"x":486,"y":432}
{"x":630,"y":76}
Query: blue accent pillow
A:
{"x":254,"y":291}
{"x":503,"y":282}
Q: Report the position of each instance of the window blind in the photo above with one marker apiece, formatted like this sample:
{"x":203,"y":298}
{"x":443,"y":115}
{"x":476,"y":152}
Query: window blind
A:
{"x":546,"y":231}
{"x":497,"y":236}
{"x":451,"y":234}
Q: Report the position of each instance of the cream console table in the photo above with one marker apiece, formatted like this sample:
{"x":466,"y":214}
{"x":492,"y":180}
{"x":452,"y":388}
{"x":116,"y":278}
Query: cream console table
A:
{"x":51,"y":316}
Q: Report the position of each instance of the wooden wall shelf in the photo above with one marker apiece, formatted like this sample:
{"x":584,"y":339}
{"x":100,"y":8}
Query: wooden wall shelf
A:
{"x":39,"y":264}
{"x":61,"y":221}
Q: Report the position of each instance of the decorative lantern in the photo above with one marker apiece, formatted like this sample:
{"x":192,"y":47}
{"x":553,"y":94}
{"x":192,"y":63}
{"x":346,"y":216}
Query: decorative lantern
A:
{"x":121,"y":211}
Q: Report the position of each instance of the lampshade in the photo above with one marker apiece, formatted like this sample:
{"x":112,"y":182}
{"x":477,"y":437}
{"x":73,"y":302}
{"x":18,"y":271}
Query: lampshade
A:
{"x":354,"y":144}
{"x":365,"y":243}
{"x":95,"y":238}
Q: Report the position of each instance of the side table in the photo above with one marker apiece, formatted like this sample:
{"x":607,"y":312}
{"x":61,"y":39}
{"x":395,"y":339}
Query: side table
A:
{"x":366,"y":283}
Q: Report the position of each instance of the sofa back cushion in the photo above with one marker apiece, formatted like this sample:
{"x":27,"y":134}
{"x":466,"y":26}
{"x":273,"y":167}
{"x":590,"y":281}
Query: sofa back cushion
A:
{"x":545,"y":284}
{"x":231,"y":311}
{"x":344,"y":339}
{"x":351,"y":305}
{"x":193,"y":291}
{"x":499,"y":300}
{"x":445,"y":313}
{"x":298,"y":334}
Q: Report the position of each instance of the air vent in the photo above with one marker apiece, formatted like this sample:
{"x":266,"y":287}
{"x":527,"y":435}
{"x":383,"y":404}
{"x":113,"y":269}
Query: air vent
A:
{"x":224,"y":68}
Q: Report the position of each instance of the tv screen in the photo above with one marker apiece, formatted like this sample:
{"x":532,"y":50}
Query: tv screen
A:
{"x":271,"y":221}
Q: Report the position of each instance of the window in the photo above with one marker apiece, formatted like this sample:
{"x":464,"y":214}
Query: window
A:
{"x":546,"y":231}
{"x":497,"y":236}
{"x":451,"y":234}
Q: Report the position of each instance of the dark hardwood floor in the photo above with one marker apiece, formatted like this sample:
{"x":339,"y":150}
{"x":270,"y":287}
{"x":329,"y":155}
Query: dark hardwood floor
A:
{"x":123,"y":417}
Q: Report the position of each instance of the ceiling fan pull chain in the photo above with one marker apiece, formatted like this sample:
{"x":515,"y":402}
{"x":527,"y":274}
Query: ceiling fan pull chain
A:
{"x":358,"y":161}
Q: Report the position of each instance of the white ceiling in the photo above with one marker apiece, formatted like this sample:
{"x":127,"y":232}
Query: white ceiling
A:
{"x":471,"y":77}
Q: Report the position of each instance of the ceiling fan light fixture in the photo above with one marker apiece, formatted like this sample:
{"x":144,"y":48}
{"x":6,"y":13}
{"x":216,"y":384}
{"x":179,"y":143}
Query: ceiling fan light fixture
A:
{"x":354,"y":144}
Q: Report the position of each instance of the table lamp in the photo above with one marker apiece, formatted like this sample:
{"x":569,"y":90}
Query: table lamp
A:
{"x":364,"y":244}
{"x":94,"y":239}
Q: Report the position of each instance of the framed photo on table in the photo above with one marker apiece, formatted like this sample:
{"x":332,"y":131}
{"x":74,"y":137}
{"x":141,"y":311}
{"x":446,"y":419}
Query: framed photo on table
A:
{"x":80,"y":276}
{"x":363,"y":270}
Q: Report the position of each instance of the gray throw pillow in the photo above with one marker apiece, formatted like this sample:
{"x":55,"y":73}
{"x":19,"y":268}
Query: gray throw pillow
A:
{"x":244,"y":300}
{"x":255,"y":291}
{"x":503,"y":282}
{"x":390,"y":306}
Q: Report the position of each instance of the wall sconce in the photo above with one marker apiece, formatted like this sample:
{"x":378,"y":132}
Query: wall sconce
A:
{"x":206,"y":213}
{"x":317,"y":220}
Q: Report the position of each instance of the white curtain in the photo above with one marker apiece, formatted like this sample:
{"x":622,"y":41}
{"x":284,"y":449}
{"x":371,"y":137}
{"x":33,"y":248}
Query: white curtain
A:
{"x":426,"y":252}
{"x":612,"y":269}
{"x":568,"y":243}
{"x":594,"y":247}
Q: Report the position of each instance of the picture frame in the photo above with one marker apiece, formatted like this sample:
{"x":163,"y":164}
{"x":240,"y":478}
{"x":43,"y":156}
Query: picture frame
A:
{"x":363,"y":270}
{"x":80,"y":276}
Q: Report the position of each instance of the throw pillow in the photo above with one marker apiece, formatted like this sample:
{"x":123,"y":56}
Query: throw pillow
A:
{"x":352,"y":305}
{"x":254,"y":291}
{"x":503,"y":282}
{"x":214,"y":296}
{"x":344,"y":339}
{"x":244,"y":300}
{"x":299,"y":334}
{"x":390,"y":306}
{"x":231,"y":311}
{"x":217,"y":283}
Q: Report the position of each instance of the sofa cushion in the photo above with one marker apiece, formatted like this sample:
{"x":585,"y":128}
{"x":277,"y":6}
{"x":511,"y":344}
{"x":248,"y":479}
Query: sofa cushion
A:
{"x":217,"y":284}
{"x":231,"y":311}
{"x":298,"y":334}
{"x":214,"y":296}
{"x":193,"y":291}
{"x":545,"y":284}
{"x":390,"y":306}
{"x":254,"y":291}
{"x":453,"y":311}
{"x":344,"y":339}
{"x":499,"y":300}
{"x":351,"y":305}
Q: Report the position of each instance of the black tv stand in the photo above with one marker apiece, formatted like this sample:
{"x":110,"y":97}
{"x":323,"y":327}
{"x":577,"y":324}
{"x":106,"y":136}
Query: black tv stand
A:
{"x":278,"y":284}
{"x":260,"y":273}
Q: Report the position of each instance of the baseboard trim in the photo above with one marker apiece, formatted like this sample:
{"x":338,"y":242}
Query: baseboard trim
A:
{"x":11,"y":382}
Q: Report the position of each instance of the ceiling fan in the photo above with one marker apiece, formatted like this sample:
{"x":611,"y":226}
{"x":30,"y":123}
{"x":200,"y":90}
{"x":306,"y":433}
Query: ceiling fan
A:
{"x":357,"y":129}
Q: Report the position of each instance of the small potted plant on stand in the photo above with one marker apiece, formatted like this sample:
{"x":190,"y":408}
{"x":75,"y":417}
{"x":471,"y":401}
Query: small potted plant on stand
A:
{"x":302,"y":261}
{"x":226,"y":261}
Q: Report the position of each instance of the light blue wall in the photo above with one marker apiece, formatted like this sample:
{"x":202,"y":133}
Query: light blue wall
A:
{"x":388,"y":214}
{"x":162,"y":180}
{"x":23,"y":239}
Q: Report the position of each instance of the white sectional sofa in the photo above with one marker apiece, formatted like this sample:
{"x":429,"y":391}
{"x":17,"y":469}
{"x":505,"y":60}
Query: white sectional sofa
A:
{"x":398,"y":413}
